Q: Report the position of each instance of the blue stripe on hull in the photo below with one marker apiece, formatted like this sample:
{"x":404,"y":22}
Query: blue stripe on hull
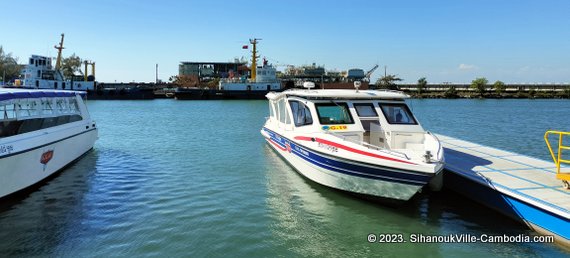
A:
{"x":376,"y":173}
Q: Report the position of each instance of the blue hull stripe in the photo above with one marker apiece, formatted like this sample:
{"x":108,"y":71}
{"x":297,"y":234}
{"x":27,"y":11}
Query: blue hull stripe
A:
{"x":322,"y":161}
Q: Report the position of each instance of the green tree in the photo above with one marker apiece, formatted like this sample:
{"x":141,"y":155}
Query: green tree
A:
{"x":499,"y":87}
{"x":388,"y":82}
{"x":9,"y":67}
{"x":422,"y":83}
{"x":70,"y":65}
{"x":451,"y":93}
{"x":480,"y":85}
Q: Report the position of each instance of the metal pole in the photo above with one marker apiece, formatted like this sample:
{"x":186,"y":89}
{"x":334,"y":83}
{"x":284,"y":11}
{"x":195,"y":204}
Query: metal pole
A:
{"x":156,"y":80}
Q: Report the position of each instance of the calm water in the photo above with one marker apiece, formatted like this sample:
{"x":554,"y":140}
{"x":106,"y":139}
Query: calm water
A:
{"x":195,"y":179}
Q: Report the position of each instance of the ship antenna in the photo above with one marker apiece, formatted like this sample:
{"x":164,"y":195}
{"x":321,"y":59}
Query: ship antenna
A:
{"x":59,"y":49}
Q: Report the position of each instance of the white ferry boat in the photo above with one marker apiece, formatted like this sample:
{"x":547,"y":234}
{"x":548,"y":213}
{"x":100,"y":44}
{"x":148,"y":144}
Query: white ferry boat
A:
{"x":41,"y":132}
{"x":365,"y":142}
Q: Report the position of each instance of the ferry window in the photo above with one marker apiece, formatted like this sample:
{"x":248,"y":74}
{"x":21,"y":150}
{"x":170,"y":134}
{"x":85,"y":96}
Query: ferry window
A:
{"x":9,"y":128}
{"x":398,"y":114}
{"x":49,"y":122}
{"x":281,"y":107}
{"x":75,"y":118}
{"x":365,"y":110}
{"x":301,"y":113}
{"x":30,"y":125}
{"x":333,"y":113}
{"x":271,"y":112}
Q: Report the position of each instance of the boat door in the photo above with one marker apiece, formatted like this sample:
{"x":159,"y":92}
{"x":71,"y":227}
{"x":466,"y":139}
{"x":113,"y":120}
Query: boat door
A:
{"x":370,"y":122}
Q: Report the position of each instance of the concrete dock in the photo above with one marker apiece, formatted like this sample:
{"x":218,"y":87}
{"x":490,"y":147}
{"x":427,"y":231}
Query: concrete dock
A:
{"x":521,"y":187}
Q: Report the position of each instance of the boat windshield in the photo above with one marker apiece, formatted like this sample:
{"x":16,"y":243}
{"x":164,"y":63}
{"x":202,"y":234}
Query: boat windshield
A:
{"x":333,"y":113}
{"x":397,"y":114}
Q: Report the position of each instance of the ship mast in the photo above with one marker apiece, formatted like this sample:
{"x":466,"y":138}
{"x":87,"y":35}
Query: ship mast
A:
{"x":59,"y":49}
{"x":254,"y":58}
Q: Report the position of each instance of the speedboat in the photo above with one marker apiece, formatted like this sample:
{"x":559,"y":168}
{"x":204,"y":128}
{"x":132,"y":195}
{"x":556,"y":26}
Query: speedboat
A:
{"x":41,"y":132}
{"x":366,"y":142}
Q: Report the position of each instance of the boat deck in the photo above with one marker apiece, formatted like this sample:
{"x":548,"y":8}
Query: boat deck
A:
{"x":524,"y":183}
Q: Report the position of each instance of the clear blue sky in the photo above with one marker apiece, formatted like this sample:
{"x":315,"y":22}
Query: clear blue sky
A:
{"x":454,"y":41}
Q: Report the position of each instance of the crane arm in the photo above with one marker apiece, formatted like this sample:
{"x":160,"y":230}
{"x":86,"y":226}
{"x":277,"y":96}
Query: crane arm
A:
{"x":369,"y":73}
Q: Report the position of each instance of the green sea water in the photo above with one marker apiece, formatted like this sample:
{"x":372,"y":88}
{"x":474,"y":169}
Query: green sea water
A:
{"x":196,"y":179}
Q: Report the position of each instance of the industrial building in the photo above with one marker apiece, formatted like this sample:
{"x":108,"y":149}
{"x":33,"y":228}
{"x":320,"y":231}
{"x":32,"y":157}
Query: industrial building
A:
{"x":208,"y":70}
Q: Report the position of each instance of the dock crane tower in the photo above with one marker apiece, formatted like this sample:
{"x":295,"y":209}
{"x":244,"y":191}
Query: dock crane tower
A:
{"x":369,"y":73}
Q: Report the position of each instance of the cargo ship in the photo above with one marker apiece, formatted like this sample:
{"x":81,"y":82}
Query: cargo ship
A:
{"x":263,"y":79}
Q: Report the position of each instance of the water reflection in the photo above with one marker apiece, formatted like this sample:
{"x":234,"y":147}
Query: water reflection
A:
{"x":39,"y":222}
{"x":310,"y":219}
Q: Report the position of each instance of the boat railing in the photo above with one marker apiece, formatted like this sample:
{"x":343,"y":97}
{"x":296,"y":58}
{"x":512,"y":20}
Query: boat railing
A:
{"x":247,"y":80}
{"x":369,"y":146}
{"x":557,"y":157}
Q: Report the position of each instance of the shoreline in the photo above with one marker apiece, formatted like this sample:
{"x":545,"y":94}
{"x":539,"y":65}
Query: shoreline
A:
{"x":473,"y":95}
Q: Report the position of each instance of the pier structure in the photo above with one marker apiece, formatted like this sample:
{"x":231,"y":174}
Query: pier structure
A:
{"x":465,"y":87}
{"x":521,"y":187}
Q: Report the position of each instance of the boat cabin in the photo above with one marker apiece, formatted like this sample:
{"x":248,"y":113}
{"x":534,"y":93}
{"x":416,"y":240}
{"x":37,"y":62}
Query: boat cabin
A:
{"x":24,"y":111}
{"x":39,"y":73}
{"x":376,"y":119}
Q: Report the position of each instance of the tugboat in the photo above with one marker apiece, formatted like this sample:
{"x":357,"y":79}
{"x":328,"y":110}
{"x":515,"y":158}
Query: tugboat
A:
{"x":263,"y":79}
{"x":365,"y":142}
{"x":39,"y":73}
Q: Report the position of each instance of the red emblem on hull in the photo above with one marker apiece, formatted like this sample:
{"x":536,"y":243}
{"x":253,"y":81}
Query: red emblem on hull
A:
{"x":46,"y":157}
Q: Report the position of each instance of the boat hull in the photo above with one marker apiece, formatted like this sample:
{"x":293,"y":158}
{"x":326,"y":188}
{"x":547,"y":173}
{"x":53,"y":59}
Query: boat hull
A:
{"x":36,"y":157}
{"x":121,"y":94}
{"x":348,"y":175}
{"x":213,"y":94}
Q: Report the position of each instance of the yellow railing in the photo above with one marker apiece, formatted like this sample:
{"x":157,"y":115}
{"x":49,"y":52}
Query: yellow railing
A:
{"x":558,"y":157}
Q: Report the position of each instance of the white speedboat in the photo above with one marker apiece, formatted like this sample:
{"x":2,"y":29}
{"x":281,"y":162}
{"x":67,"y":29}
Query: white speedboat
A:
{"x":365,"y":142}
{"x":41,"y":132}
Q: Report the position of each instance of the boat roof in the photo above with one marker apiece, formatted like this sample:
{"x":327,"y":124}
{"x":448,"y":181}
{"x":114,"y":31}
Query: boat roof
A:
{"x":22,"y":93}
{"x":340,"y":94}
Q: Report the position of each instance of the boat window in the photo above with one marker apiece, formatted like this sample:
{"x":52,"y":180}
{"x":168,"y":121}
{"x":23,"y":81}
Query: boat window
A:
{"x":301,"y":113}
{"x":14,"y":127}
{"x":281,"y":108}
{"x":333,"y":113}
{"x":30,"y":125}
{"x":271,"y":112}
{"x":365,"y":110}
{"x":398,"y":114}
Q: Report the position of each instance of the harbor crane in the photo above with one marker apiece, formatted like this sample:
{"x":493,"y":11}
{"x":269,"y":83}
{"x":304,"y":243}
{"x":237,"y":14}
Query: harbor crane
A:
{"x":369,"y":73}
{"x":86,"y":63}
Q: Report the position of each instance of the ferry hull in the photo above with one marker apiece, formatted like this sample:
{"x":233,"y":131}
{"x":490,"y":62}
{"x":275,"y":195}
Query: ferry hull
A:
{"x":356,"y":178}
{"x":212,"y":94}
{"x":28,"y":165}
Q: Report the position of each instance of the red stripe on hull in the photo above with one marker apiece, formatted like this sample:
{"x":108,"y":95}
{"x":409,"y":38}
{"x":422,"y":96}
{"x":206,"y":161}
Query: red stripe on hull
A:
{"x":276,"y":145}
{"x":340,"y":146}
